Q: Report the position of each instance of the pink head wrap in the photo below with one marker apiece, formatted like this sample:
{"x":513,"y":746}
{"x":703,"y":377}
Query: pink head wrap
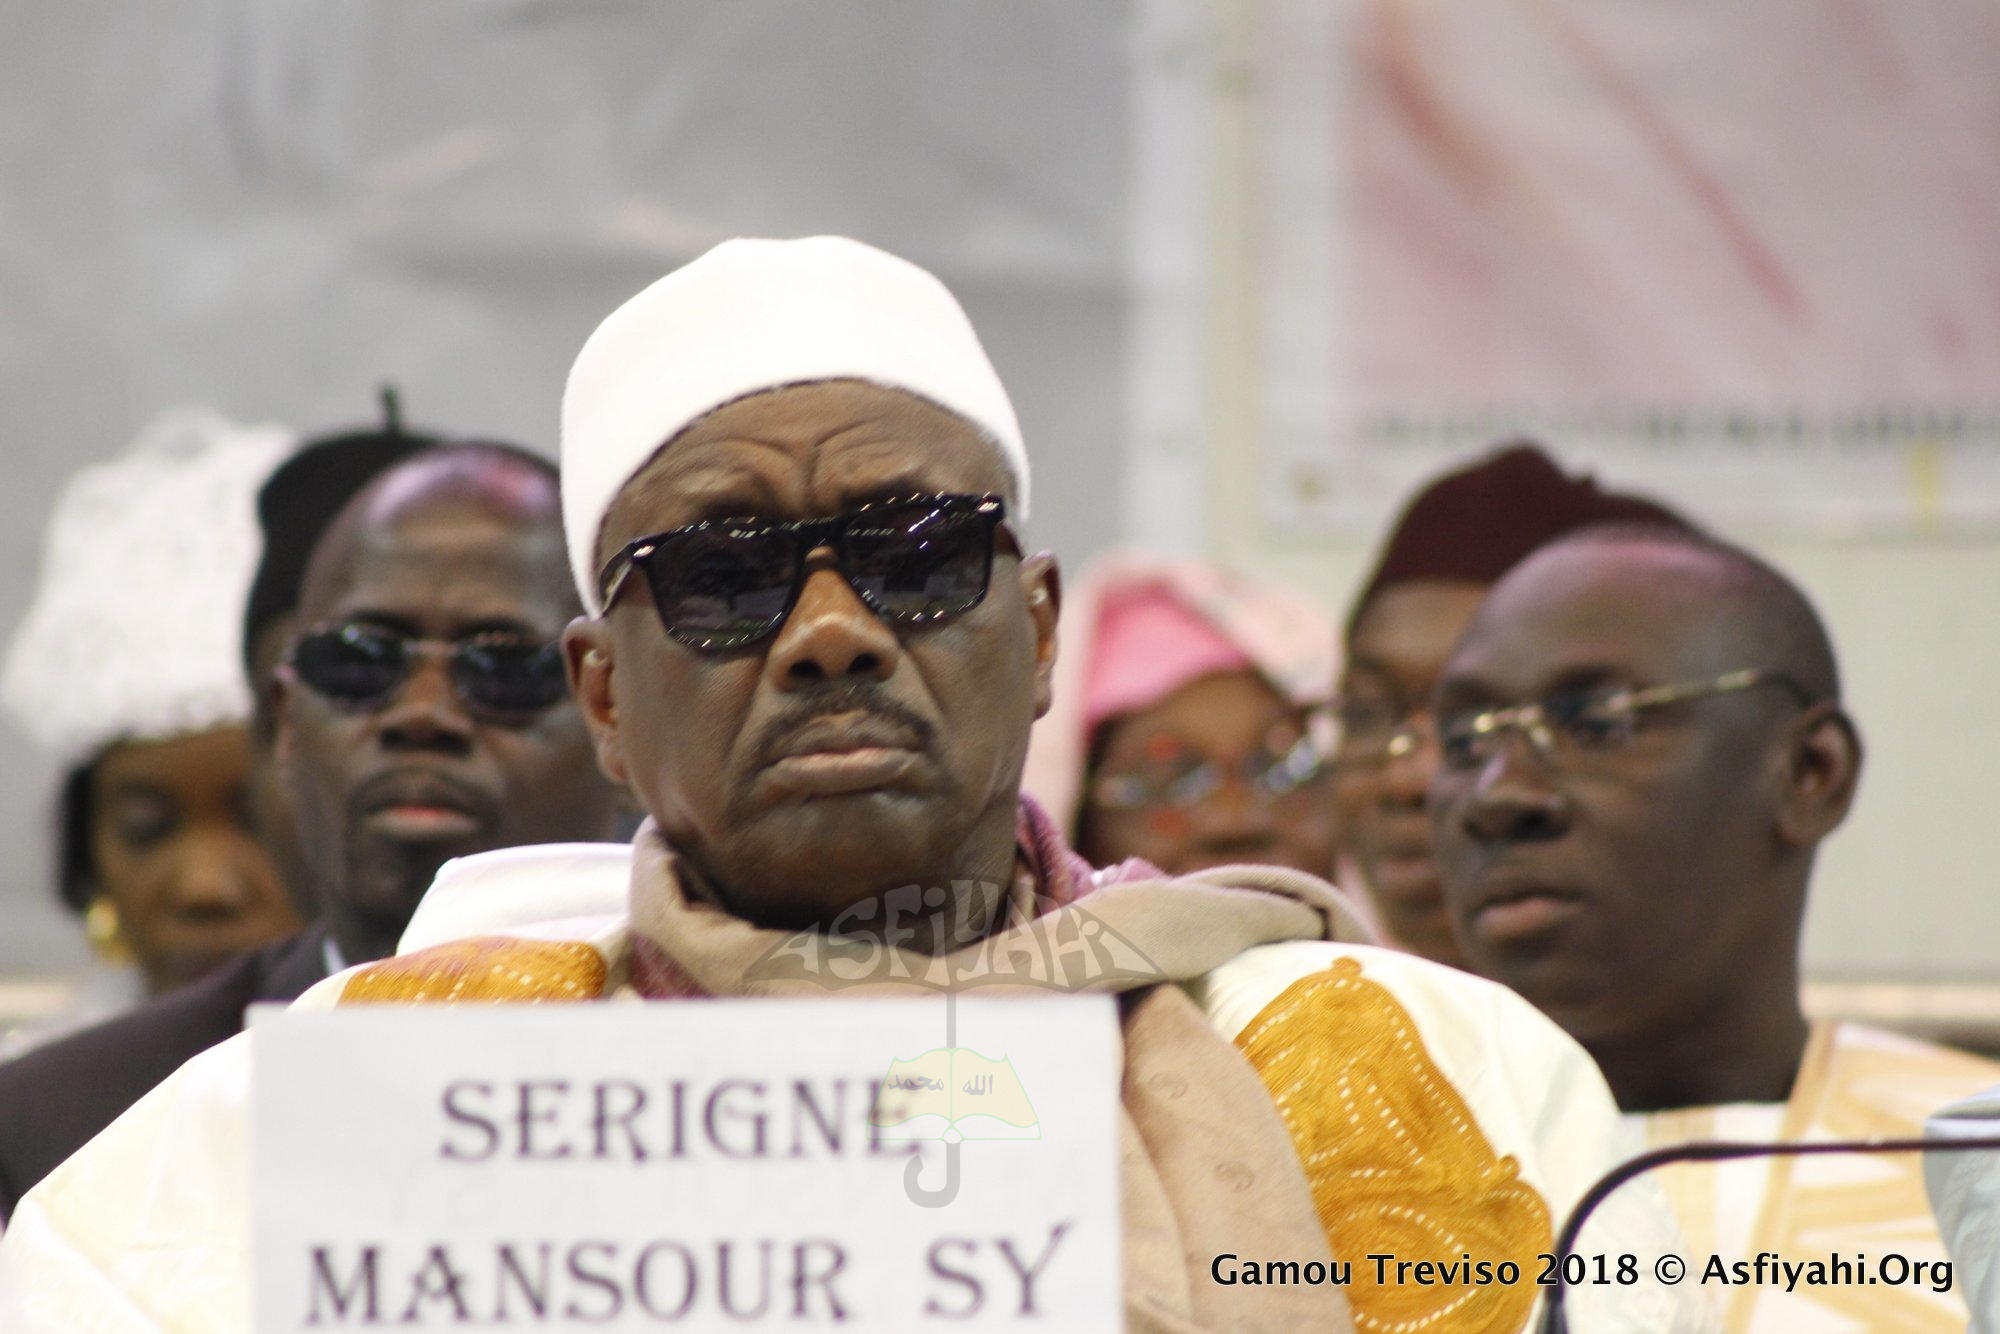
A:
{"x":1137,"y":628}
{"x":1149,"y":644}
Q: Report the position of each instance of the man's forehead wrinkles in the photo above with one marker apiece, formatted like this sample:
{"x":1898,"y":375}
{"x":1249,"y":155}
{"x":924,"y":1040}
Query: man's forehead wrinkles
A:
{"x":787,"y":421}
{"x":785,"y":449}
{"x":851,"y":464}
{"x":868,"y":470}
{"x":725,"y":453}
{"x":704,"y":480}
{"x":665,"y":497}
{"x":860,"y":426}
{"x":822,"y":438}
{"x":859,"y":446}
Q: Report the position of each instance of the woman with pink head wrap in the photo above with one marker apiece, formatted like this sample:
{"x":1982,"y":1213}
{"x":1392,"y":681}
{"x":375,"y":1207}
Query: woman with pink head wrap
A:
{"x":1184,"y":728}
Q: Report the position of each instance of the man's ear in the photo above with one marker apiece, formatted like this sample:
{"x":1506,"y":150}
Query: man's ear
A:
{"x":1041,"y":587}
{"x":1823,"y":769}
{"x":587,"y":661}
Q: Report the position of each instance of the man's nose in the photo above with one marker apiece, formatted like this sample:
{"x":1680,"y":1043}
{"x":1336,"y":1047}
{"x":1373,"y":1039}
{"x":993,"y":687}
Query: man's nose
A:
{"x":831,"y":635}
{"x":426,"y":713}
{"x":1515,"y":798}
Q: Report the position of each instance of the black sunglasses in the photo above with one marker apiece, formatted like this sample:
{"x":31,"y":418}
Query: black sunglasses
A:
{"x":361,"y":666}
{"x":727,"y":583}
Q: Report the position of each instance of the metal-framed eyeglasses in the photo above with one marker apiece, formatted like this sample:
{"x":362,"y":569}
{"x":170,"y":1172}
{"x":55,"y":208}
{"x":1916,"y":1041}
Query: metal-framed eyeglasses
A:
{"x":1373,"y":731}
{"x":1573,"y":723}
{"x":1187,"y":778}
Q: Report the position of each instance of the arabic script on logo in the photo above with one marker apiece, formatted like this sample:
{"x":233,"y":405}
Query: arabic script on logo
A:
{"x":953,"y":1094}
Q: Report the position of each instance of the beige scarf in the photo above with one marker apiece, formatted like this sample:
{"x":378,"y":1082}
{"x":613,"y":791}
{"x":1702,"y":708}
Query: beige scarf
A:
{"x":1208,"y":1167}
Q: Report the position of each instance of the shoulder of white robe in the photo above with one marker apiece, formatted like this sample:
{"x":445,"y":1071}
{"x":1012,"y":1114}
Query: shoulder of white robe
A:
{"x":147,"y":1226}
{"x":503,"y":891}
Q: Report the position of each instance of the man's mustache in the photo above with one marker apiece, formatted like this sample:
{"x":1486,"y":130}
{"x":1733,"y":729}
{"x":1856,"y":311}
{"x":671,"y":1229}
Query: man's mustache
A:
{"x":834,"y":699}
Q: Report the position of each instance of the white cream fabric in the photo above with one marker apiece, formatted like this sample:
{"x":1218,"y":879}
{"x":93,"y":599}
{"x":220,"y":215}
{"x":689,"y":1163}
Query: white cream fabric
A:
{"x":1965,"y":1192}
{"x":1854,"y":1082}
{"x":136,"y":626}
{"x":510,"y":889}
{"x":147,"y":1228}
{"x":752,"y":315}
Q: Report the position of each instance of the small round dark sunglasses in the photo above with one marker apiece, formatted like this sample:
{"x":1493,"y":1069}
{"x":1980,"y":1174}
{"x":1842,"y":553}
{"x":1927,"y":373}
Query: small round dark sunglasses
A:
{"x":727,"y":583}
{"x":362,"y":666}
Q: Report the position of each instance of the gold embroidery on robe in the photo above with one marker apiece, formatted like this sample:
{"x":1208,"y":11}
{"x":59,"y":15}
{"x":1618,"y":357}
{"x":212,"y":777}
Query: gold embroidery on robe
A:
{"x":485,"y":968}
{"x":1395,"y":1160}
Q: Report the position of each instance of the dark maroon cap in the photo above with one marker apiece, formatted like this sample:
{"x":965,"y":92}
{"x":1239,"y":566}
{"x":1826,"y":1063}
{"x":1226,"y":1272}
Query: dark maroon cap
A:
{"x":1474,"y":525}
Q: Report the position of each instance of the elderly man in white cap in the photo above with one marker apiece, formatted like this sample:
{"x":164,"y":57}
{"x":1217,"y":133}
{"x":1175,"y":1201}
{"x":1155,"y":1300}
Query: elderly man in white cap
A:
{"x":813,"y":651}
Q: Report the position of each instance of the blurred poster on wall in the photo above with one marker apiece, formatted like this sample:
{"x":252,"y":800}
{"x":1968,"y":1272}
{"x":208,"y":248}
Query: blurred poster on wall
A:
{"x":1746,"y":254}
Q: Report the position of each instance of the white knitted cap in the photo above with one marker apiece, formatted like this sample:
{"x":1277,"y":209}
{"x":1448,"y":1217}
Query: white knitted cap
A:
{"x":136,"y":627}
{"x":752,"y":315}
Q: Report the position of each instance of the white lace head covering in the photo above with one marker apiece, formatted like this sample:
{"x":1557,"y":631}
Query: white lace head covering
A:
{"x":752,"y":315}
{"x":135,"y":628}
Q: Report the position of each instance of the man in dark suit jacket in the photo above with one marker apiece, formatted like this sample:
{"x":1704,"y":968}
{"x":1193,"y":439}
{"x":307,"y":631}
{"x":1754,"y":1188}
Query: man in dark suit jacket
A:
{"x":54,"y":1098}
{"x":412,"y":703}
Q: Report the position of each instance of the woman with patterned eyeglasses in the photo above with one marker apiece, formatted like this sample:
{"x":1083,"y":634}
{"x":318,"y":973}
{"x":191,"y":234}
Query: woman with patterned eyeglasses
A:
{"x":1186,"y":729}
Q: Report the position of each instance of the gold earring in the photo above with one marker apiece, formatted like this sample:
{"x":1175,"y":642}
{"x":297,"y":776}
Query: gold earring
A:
{"x":105,"y":932}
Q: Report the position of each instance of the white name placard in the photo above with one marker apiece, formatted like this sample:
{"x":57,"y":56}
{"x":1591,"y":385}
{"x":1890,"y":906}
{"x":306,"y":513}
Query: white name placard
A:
{"x":702,"y":1165}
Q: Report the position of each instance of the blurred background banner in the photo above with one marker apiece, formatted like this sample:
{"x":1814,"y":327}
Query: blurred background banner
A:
{"x":1748,"y":254}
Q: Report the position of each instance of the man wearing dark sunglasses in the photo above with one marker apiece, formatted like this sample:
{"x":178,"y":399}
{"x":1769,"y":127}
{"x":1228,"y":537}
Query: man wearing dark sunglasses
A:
{"x":1642,"y":745}
{"x":813,"y":648}
{"x":421,"y":712}
{"x":408,"y":606}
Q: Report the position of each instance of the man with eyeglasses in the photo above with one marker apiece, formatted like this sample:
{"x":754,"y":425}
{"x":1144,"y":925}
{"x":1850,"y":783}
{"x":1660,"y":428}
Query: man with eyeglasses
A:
{"x":813,"y":647}
{"x":403,"y":628}
{"x":1452,"y":542}
{"x":1642,"y":746}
